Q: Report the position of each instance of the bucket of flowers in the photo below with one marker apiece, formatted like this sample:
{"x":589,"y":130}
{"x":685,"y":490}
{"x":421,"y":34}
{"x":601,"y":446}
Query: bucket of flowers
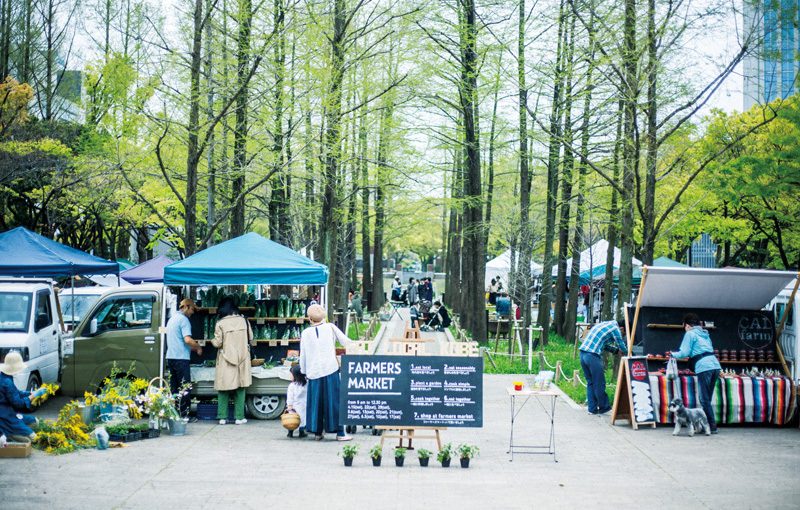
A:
{"x":161,"y":405}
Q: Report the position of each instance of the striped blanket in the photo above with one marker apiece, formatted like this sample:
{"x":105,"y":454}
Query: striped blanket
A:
{"x":739,"y":399}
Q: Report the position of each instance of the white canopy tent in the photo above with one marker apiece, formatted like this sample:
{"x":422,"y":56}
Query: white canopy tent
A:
{"x":501,"y":266}
{"x":734,"y":289}
{"x":595,"y":257}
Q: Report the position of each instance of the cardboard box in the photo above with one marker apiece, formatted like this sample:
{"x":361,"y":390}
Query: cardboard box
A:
{"x":15,"y":451}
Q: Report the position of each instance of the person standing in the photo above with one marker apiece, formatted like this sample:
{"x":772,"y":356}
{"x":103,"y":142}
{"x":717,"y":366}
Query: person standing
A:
{"x":232,"y":376}
{"x":296,"y":401}
{"x":493,"y":292}
{"x":318,"y":362}
{"x":604,"y":336}
{"x":180,"y":345}
{"x":13,"y":402}
{"x":413,"y":292}
{"x":696,"y":345}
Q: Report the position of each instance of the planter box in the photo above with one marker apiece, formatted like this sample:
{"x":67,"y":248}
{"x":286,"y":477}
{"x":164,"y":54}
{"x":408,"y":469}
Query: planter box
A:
{"x":125,"y":438}
{"x":15,"y":451}
{"x":207,"y":411}
{"x":151,"y":434}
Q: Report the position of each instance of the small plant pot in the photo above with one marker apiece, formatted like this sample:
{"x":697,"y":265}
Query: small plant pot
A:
{"x":376,"y":461}
{"x":348,"y":461}
{"x":424,"y":462}
{"x":398,"y":461}
{"x":151,"y":434}
{"x":446,"y":463}
{"x":464,"y":462}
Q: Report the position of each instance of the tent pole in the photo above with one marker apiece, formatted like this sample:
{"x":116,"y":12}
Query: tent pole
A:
{"x":636,"y":313}
{"x":72,"y":285}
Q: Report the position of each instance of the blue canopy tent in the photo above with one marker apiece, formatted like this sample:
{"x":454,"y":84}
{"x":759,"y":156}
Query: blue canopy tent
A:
{"x":26,"y":253}
{"x":151,"y":271}
{"x":246,"y":260}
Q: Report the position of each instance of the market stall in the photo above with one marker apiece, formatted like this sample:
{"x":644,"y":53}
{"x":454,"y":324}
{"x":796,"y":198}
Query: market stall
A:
{"x":755,"y":384}
{"x":239,"y":268}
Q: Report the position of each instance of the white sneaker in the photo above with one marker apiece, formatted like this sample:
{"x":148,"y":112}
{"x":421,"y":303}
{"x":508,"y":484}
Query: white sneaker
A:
{"x":222,"y":422}
{"x":241,"y":422}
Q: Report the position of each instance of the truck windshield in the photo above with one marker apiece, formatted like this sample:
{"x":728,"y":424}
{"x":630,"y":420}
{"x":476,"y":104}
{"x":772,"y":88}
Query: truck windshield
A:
{"x":83,"y":302}
{"x":15,"y":311}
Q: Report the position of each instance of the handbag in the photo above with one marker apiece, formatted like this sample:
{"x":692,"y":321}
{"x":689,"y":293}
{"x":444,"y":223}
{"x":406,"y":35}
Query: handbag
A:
{"x":672,"y":369}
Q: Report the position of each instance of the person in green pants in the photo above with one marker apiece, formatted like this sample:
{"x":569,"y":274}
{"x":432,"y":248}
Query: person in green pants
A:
{"x":232,"y":377}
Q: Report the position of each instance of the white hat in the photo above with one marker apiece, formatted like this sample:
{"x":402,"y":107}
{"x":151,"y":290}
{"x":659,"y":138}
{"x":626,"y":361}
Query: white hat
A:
{"x":13,"y":364}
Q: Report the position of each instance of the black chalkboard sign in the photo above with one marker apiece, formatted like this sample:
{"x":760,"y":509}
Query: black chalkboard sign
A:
{"x":633,"y":400}
{"x":409,"y":391}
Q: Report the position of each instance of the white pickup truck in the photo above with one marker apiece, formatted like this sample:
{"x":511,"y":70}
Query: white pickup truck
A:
{"x":30,"y":324}
{"x":790,"y":337}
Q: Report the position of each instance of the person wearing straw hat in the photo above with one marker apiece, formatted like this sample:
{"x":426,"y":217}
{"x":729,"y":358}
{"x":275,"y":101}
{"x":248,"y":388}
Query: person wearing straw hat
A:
{"x":318,"y":362}
{"x":13,"y":401}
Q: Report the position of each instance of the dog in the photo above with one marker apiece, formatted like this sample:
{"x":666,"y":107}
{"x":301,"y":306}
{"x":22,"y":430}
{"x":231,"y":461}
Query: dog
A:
{"x":695,"y":418}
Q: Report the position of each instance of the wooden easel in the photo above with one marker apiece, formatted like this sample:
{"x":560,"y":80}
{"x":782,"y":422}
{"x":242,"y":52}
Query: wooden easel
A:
{"x":413,"y":332}
{"x":410,"y":435}
{"x":623,"y":400}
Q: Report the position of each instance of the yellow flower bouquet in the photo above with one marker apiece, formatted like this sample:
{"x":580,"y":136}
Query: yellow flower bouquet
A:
{"x":50,"y":389}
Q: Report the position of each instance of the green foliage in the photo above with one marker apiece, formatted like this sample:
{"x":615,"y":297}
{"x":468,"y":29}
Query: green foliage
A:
{"x":446,"y":453}
{"x":400,"y":453}
{"x":422,"y":453}
{"x":467,"y":451}
{"x":349,"y":451}
{"x":376,"y":451}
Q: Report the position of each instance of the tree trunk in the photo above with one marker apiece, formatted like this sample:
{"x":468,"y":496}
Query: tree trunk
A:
{"x":192,"y":150}
{"x":522,"y":285}
{"x":277,"y":205}
{"x":577,"y":239}
{"x":211,"y":210}
{"x":629,"y":153}
{"x":473,"y":228}
{"x":552,"y":185}
{"x":566,"y":185}
{"x":366,"y":265}
{"x":240,"y":133}
{"x":378,"y":296}
{"x":607,"y":313}
{"x":649,"y":216}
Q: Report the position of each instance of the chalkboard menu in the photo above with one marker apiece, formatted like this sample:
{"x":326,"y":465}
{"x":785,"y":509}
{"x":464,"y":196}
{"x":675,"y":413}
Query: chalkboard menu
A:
{"x":408,"y":391}
{"x":643,"y":411}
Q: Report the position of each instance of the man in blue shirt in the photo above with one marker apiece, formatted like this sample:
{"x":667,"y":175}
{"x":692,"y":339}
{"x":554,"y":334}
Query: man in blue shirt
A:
{"x":180,"y":345}
{"x":696,"y":345}
{"x":605,"y":336}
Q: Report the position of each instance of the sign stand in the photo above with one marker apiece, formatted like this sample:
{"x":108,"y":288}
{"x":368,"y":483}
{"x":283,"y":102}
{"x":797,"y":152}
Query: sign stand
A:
{"x":624,"y":408}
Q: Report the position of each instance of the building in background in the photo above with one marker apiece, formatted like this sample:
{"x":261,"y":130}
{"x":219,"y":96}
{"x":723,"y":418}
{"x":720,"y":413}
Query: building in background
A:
{"x":771,"y":68}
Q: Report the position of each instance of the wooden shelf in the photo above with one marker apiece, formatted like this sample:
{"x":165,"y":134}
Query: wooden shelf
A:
{"x":277,"y":342}
{"x":664,"y":358}
{"x":749,"y":362}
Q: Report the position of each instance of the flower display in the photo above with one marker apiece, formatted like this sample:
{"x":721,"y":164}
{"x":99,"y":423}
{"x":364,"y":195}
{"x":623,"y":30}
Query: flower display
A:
{"x":66,"y":434}
{"x":161,"y":402}
{"x":50,"y":389}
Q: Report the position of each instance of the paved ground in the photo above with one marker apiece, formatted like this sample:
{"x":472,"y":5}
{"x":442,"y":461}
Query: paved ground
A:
{"x":256,"y":466}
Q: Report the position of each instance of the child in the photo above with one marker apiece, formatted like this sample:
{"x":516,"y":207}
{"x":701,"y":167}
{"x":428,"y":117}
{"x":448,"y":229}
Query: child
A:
{"x":296,"y":399}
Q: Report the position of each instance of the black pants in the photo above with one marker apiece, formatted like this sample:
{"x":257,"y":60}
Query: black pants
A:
{"x":179,"y":374}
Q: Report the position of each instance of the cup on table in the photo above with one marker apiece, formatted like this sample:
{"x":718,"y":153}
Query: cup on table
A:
{"x":517,"y":386}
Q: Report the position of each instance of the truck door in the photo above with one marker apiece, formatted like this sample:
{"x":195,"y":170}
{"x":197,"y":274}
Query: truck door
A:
{"x":45,"y":346}
{"x":123,"y":328}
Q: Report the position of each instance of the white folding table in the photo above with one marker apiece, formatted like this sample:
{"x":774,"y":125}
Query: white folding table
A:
{"x":550,"y":412}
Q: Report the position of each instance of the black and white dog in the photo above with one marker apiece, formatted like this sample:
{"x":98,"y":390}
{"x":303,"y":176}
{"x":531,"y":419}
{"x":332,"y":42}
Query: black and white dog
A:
{"x":695,"y":418}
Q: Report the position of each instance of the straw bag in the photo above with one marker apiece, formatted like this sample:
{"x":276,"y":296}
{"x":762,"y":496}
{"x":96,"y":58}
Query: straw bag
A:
{"x":290,"y":421}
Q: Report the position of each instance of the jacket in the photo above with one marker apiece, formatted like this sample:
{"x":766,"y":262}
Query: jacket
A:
{"x":696,"y":341}
{"x":12,"y":401}
{"x":412,"y":293}
{"x":231,"y":337}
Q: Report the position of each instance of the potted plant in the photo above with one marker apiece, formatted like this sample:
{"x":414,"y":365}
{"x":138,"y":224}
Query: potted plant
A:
{"x":445,"y":454}
{"x":399,"y":456}
{"x":466,"y":452}
{"x":424,"y":456}
{"x":376,"y":453}
{"x":161,"y":404}
{"x":348,"y":452}
{"x":123,"y":432}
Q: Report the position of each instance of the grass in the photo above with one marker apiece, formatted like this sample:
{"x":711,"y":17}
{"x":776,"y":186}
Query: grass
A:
{"x":557,"y":349}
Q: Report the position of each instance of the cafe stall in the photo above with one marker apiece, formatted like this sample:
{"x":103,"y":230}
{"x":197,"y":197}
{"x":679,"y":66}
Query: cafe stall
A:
{"x":272,"y":285}
{"x":755,"y":385}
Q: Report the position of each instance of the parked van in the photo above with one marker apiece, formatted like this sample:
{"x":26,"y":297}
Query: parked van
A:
{"x":790,"y":338}
{"x":126,"y":327}
{"x":30,"y":324}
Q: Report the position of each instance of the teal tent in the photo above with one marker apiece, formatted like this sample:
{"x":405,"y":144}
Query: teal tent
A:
{"x":246,"y":260}
{"x":667,"y":262}
{"x":125,"y":264}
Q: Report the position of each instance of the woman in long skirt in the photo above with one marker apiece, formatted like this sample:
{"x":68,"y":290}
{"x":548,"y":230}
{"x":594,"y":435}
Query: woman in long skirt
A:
{"x":318,"y":362}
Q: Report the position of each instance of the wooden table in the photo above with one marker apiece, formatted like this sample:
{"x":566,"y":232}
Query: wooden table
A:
{"x":550,"y":447}
{"x":410,"y":434}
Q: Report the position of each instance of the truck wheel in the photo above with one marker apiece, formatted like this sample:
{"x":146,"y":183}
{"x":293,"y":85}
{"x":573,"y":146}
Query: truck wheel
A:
{"x":265,"y":407}
{"x":33,"y":383}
